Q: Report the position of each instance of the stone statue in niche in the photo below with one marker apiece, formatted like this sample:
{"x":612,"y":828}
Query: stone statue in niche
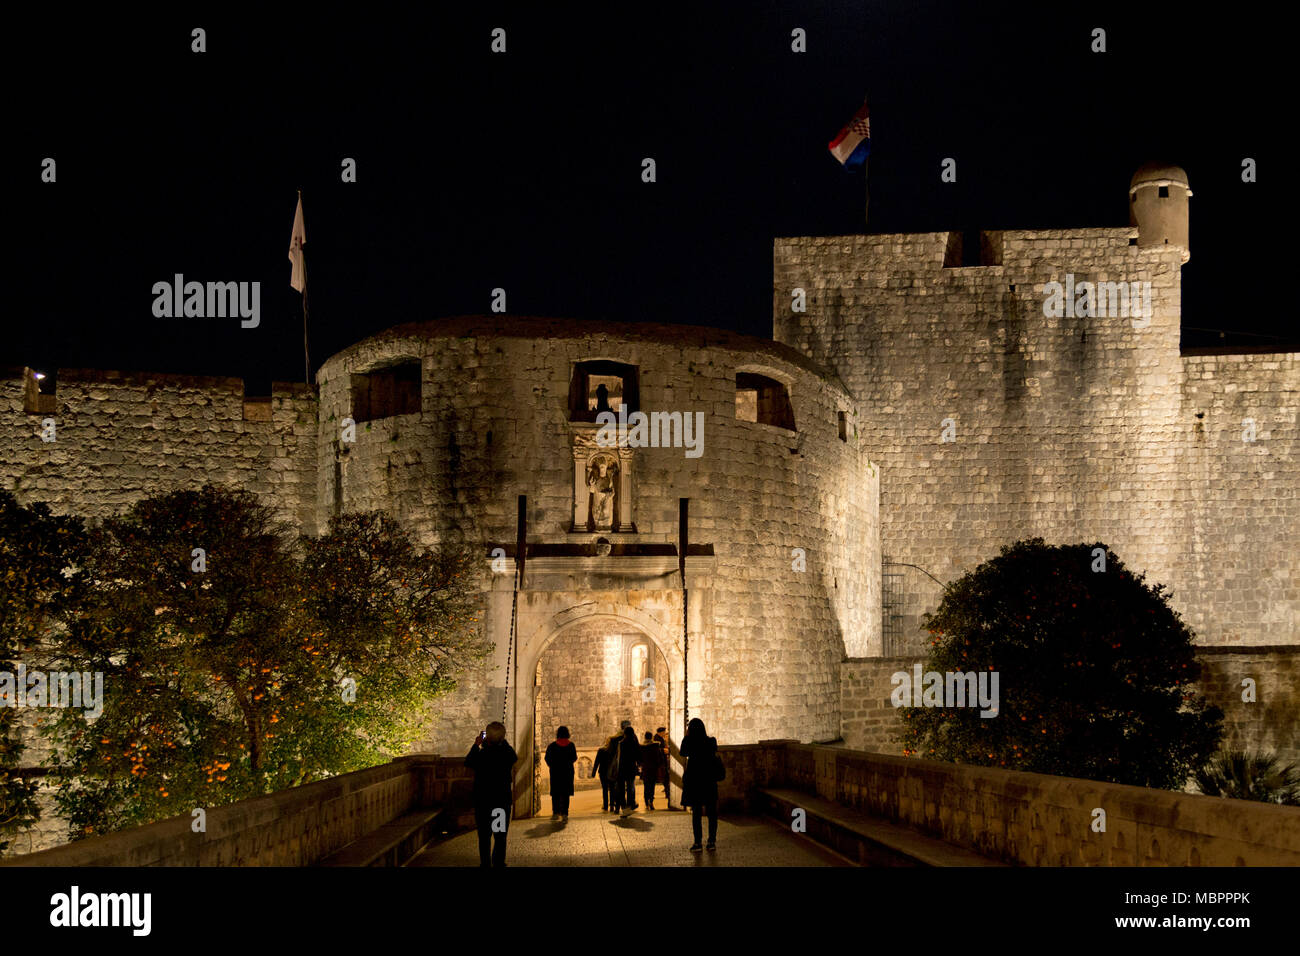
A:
{"x":603,"y":492}
{"x":602,"y":485}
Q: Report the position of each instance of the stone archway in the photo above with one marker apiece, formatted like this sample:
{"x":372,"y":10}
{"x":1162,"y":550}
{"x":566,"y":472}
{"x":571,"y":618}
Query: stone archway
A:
{"x":602,"y":618}
{"x":591,"y":677}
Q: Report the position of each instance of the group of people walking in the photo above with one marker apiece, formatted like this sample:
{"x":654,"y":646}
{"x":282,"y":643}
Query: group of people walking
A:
{"x":621,"y":761}
{"x":618,"y":764}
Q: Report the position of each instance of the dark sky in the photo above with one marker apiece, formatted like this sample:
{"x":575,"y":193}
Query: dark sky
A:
{"x":522,"y":170}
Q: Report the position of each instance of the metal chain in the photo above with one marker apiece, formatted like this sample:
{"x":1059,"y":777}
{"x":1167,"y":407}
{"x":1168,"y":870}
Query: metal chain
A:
{"x":510,"y":648}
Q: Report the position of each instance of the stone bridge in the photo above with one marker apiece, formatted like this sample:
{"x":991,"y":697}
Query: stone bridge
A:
{"x":782,"y":803}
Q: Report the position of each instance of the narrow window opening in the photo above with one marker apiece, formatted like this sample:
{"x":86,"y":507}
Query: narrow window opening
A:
{"x":40,"y":392}
{"x":844,"y":426}
{"x":1164,"y":192}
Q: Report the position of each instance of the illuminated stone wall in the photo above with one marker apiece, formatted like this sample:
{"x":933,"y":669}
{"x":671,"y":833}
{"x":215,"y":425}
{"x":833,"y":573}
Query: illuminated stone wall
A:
{"x":1072,"y":428}
{"x":792,"y":584}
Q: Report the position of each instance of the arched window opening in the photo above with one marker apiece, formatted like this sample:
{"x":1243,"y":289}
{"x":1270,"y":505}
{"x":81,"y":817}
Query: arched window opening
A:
{"x":640,"y":663}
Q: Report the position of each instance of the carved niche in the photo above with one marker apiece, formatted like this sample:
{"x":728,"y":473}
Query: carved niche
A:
{"x":602,"y":484}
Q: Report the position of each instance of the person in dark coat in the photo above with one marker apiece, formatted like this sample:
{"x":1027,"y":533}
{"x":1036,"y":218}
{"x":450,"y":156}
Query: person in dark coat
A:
{"x":601,"y":768}
{"x":661,"y":738}
{"x":608,"y":786}
{"x":493,"y":762}
{"x":629,"y":753}
{"x":700,"y":780}
{"x":652,"y":756}
{"x":561,"y":756}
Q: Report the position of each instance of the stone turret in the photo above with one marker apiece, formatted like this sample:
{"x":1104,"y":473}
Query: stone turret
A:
{"x":1157,"y":205}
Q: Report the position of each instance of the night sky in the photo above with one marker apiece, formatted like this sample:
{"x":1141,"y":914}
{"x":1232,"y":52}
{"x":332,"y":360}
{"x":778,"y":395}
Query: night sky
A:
{"x":523,"y":171}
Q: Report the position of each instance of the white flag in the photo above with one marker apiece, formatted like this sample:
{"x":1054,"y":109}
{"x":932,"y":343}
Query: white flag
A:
{"x":298,"y":278}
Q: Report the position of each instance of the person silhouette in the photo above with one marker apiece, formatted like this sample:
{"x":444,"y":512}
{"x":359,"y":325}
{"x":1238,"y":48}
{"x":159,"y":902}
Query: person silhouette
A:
{"x":493,"y":761}
{"x":700,"y":781}
{"x":561,"y":756}
{"x":629,"y":755}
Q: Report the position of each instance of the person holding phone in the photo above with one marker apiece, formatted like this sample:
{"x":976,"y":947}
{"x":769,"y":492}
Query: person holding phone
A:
{"x":493,"y":761}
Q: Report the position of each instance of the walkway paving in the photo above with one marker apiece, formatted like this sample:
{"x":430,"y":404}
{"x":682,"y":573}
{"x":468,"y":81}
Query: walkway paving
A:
{"x":646,"y":838}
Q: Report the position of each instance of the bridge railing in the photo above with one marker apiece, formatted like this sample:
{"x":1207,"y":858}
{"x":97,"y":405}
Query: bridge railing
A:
{"x":1024,"y":818}
{"x":1019,"y":818}
{"x":295,"y":827}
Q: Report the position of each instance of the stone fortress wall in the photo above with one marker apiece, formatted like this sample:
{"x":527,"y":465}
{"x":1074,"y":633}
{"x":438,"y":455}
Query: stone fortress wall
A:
{"x":494,"y":424}
{"x":491,"y":423}
{"x":1268,"y":723}
{"x":121,"y":436}
{"x":1073,"y":429}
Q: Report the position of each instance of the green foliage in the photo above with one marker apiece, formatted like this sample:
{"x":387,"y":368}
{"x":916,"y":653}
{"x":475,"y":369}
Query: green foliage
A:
{"x":38,"y":553}
{"x":396,"y":619}
{"x":225,"y":683}
{"x":1094,"y":672}
{"x":1239,"y":775}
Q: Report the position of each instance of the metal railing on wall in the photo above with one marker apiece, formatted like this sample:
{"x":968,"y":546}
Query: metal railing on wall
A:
{"x":906,"y":596}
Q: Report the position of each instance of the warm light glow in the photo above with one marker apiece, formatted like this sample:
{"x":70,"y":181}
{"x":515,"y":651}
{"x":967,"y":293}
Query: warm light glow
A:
{"x":640,"y":664}
{"x":613,"y":663}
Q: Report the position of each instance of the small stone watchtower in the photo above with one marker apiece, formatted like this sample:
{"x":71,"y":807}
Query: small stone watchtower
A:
{"x":1157,"y":205}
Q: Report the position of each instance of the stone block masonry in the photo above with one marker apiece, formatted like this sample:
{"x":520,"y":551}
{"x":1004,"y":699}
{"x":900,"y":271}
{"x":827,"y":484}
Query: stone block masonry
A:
{"x":454,"y":419}
{"x":1072,"y":428}
{"x":495,"y":422}
{"x":869,"y":720}
{"x":122,"y":436}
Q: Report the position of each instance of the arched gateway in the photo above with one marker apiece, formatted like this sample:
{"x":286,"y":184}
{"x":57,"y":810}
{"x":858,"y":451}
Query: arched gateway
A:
{"x":585,"y":668}
{"x":593,"y":673}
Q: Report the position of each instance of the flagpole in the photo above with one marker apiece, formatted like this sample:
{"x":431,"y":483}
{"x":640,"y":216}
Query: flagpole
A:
{"x":866,"y":184}
{"x":306,"y":355}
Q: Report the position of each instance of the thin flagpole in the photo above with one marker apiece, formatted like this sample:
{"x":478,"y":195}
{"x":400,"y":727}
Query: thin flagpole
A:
{"x":866,"y":183}
{"x":866,"y":189}
{"x":306,"y":355}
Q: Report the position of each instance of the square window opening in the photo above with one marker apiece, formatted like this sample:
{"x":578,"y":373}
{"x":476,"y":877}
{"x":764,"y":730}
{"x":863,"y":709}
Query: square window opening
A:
{"x":386,"y":392}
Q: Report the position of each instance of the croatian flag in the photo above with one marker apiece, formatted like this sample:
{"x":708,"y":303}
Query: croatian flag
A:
{"x":852,"y":146}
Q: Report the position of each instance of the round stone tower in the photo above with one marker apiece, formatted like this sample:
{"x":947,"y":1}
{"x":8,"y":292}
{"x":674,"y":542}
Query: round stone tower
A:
{"x":1157,"y":205}
{"x":739,"y":606}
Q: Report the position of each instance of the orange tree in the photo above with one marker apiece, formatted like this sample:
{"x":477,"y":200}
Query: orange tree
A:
{"x":1094,"y":671}
{"x":230,"y":650}
{"x":38,"y":554}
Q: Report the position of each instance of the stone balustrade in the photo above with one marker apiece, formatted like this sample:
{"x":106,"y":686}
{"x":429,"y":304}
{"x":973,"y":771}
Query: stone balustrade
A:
{"x":1025,"y":818}
{"x":295,"y":827}
{"x":1019,"y":818}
